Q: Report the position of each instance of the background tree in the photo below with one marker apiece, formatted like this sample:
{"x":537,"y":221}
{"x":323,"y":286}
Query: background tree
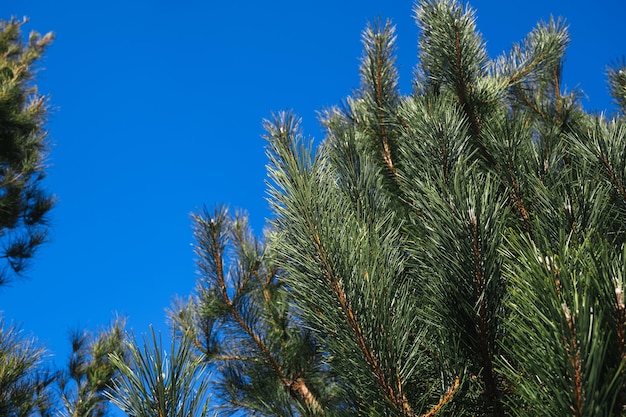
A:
{"x":90,"y":371}
{"x":23,"y":111}
{"x":25,"y":383}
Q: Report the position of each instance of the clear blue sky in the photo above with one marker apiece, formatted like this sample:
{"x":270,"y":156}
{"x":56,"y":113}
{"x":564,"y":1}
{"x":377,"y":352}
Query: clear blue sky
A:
{"x":157,"y":111}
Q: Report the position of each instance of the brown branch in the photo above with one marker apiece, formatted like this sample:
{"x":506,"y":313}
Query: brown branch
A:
{"x":397,"y":398}
{"x":220,"y":268}
{"x":574,"y":352}
{"x":620,"y":322}
{"x":200,"y":347}
{"x":513,"y":79}
{"x":379,"y":103}
{"x":299,"y":386}
{"x":532,"y":106}
{"x":444,"y":400}
{"x":244,"y":283}
{"x":296,"y":391}
{"x":611,"y":172}
{"x":271,"y":275}
{"x":403,"y":122}
{"x":517,"y":197}
{"x":238,"y":403}
{"x":444,"y":157}
{"x":557,"y":95}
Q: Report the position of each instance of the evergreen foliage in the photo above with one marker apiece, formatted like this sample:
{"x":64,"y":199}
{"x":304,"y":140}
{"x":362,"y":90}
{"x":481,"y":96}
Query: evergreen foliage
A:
{"x":90,"y":371}
{"x":23,"y":111}
{"x":243,"y":323}
{"x":460,"y":250}
{"x":25,"y":384}
{"x":152,"y":383}
{"x":456,"y":251}
{"x":617,"y":82}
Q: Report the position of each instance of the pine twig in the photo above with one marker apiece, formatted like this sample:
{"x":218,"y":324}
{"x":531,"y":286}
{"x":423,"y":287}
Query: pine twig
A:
{"x":444,"y":400}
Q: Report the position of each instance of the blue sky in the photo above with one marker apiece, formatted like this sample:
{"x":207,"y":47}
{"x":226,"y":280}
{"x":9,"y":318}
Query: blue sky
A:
{"x":157,"y":110}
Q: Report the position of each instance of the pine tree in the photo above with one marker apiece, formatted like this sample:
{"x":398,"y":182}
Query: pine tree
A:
{"x":23,"y":111}
{"x":456,"y":251}
{"x":25,"y":384}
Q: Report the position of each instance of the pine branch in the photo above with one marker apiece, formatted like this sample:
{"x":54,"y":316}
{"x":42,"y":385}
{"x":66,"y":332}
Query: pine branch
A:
{"x":610,"y":171}
{"x":244,"y":313}
{"x":396,"y":397}
{"x":379,"y":102}
{"x":298,"y":389}
{"x":444,"y":400}
{"x":379,"y":90}
{"x":617,"y":83}
{"x":573,"y":352}
{"x":461,"y":87}
{"x":469,"y":260}
{"x":25,"y":384}
{"x":155,"y":383}
{"x":484,"y":337}
{"x":604,"y":144}
{"x":358,"y":293}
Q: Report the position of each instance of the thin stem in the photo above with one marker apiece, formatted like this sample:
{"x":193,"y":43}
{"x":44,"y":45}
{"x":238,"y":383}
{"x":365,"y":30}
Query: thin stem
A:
{"x":397,"y":398}
{"x":297,"y":391}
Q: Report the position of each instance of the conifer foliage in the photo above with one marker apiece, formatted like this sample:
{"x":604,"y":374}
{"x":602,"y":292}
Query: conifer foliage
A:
{"x":153,"y":383}
{"x":243,"y":323}
{"x":25,"y":384}
{"x":455,"y":251}
{"x":24,"y":381}
{"x":23,"y":203}
{"x":90,"y":371}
